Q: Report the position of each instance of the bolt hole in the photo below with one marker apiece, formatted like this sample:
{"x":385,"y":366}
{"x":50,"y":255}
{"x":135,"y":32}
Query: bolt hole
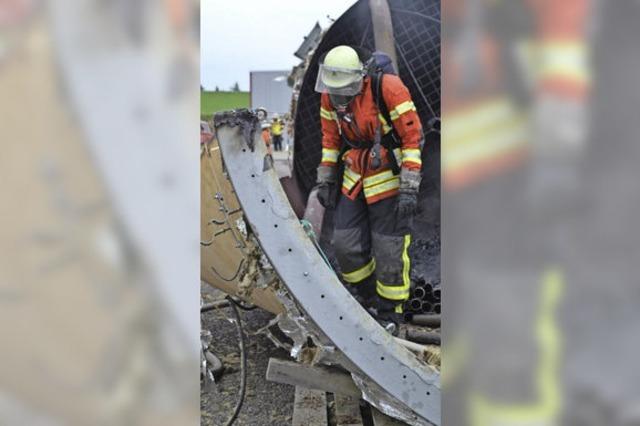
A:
{"x":340,"y":318}
{"x":361,"y":339}
{"x":381,"y":358}
{"x":253,"y":175}
{"x":264,"y":201}
{"x":244,"y":150}
{"x":404,"y":376}
{"x":290,"y":250}
{"x":322,"y":296}
{"x":428,"y":393}
{"x":275,"y":226}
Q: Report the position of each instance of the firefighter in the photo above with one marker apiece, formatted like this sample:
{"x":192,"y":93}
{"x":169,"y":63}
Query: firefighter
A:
{"x":276,"y":132}
{"x":374,"y":210}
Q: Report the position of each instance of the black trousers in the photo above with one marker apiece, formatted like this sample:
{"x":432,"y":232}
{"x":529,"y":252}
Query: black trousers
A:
{"x":277,"y":142}
{"x":371,"y":244}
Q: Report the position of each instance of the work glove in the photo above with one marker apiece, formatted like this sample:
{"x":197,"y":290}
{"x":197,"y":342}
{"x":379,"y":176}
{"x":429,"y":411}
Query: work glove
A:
{"x":407,"y":204}
{"x":326,"y":186}
{"x":408,"y":197}
{"x":326,"y":194}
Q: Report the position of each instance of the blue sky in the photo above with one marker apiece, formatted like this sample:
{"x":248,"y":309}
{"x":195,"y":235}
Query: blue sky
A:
{"x":238,"y":36}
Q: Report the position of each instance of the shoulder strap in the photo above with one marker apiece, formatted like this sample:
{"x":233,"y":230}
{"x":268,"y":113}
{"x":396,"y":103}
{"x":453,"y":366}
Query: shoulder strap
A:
{"x":376,"y":86}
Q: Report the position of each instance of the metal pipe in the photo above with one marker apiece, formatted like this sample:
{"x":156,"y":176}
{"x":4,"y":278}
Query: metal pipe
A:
{"x":426,"y":320}
{"x":425,"y":337}
{"x":415,"y":304}
{"x":412,"y":346}
{"x":216,"y":365}
{"x":436,"y":308}
{"x":437,"y":293}
{"x":419,"y":292}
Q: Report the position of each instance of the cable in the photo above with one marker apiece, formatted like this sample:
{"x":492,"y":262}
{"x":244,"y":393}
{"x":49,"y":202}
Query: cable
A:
{"x":243,"y":364}
{"x":234,"y":275}
{"x":242,"y":306}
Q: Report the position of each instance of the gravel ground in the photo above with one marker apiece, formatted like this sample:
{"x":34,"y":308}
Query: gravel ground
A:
{"x":266,"y":403}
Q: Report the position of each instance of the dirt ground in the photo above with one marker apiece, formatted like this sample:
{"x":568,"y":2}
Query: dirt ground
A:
{"x":266,"y":403}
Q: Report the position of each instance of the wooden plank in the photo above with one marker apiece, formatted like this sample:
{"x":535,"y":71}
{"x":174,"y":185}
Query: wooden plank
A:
{"x":309,"y":408}
{"x":380,"y":419}
{"x":348,"y":411}
{"x":311,"y":377}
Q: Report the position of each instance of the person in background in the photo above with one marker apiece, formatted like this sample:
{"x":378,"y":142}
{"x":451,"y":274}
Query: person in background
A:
{"x":266,"y":136}
{"x":276,"y":132}
{"x":205,"y":132}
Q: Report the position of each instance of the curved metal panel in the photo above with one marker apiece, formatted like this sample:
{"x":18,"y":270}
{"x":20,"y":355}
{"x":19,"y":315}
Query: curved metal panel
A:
{"x":310,"y":281}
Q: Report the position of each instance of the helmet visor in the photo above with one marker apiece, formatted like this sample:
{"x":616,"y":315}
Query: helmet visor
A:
{"x":339,"y":81}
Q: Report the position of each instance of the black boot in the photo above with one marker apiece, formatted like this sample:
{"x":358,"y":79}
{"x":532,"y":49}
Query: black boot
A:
{"x":364,"y":292}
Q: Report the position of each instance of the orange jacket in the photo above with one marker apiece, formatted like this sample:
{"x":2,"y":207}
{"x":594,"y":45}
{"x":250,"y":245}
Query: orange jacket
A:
{"x":266,"y":137}
{"x":359,"y":174}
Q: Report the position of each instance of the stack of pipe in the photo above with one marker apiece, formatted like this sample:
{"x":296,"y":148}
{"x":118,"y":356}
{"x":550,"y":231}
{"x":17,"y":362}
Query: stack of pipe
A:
{"x":425,"y":298}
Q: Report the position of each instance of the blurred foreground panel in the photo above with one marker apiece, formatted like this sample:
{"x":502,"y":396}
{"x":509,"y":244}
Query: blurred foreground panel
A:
{"x":539,"y":168}
{"x":98,"y":243}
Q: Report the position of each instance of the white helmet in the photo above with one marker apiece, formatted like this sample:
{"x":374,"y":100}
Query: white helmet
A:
{"x":261,"y":112}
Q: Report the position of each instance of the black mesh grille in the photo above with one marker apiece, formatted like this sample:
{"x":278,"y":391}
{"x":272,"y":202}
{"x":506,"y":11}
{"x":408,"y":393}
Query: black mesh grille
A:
{"x":416,"y":25}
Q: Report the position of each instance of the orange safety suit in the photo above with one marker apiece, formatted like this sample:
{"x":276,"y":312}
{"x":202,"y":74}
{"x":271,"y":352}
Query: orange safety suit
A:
{"x":359,"y":174}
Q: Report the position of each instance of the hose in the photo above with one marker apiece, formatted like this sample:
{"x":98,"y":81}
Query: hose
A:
{"x":243,"y":364}
{"x":241,"y":305}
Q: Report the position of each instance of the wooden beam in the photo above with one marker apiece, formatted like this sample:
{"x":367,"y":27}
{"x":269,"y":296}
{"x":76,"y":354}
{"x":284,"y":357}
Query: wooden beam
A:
{"x":348,"y":411}
{"x":312,"y":377}
{"x":380,"y":419}
{"x":309,"y":407}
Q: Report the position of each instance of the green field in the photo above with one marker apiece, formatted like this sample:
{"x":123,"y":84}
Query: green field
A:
{"x":212,"y":102}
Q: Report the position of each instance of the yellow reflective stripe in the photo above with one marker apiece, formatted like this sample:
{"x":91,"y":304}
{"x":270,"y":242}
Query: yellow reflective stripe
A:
{"x":350,"y":178}
{"x":351,"y":174}
{"x":487,"y":144}
{"x":347,"y":183}
{"x":406,"y":264}
{"x":565,"y":59}
{"x":392,"y":292}
{"x":400,"y":292}
{"x":360,"y":274}
{"x":330,"y":155}
{"x":385,"y":126}
{"x":393,"y":183}
{"x":467,"y":124}
{"x":328,"y":115}
{"x":378,"y":178}
{"x":401,"y":109}
{"x":545,"y":411}
{"x":411,"y":155}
